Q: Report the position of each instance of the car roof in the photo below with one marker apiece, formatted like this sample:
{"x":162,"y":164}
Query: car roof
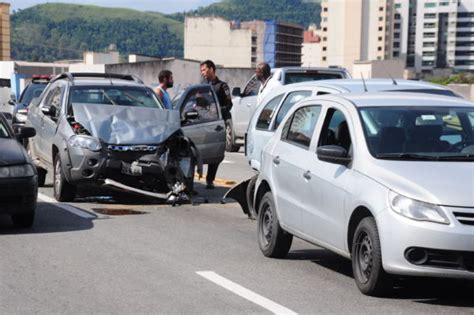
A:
{"x":372,"y":85}
{"x":380,"y":99}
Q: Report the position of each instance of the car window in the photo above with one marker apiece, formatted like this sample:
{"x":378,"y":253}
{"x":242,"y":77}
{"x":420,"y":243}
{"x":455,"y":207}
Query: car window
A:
{"x":434,"y":132}
{"x":335,"y":130}
{"x":252,"y":87}
{"x":295,"y":77}
{"x":3,"y":130}
{"x":31,"y":91}
{"x":54,"y":98}
{"x":291,"y":99}
{"x":203,"y":102}
{"x":266,"y":115}
{"x":136,"y":96}
{"x":301,"y":126}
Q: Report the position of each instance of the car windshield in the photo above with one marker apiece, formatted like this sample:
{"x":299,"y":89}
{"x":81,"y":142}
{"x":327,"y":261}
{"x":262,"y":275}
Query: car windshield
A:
{"x":3,"y":130}
{"x":115,"y":95}
{"x":31,"y":91}
{"x":296,"y":77}
{"x":419,"y":133}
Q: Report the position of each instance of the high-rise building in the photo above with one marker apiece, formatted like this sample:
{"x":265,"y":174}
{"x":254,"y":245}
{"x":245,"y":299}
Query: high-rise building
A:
{"x":242,"y":44}
{"x":352,"y":30}
{"x":5,"y":46}
{"x":432,"y":34}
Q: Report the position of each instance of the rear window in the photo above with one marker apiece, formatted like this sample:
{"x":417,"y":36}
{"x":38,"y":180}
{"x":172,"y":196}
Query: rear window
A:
{"x":311,"y":76}
{"x":115,"y":95}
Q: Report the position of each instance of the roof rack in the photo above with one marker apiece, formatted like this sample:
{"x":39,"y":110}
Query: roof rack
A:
{"x":70,"y":76}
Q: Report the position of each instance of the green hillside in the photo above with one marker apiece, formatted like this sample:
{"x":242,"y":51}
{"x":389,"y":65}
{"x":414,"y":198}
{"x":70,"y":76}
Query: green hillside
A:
{"x":303,"y":12}
{"x":50,"y":32}
{"x":57,"y":31}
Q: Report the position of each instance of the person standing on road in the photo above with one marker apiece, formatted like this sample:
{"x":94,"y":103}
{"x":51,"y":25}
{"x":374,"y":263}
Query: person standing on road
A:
{"x":208,"y":72}
{"x":263,"y":74}
{"x":166,"y":81}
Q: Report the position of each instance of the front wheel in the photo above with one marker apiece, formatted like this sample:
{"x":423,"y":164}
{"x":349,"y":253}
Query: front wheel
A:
{"x":230,"y":145}
{"x":367,"y":267}
{"x":273,"y":241}
{"x":63,"y":190}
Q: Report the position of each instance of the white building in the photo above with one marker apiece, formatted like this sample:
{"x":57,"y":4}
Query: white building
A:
{"x":432,"y":34}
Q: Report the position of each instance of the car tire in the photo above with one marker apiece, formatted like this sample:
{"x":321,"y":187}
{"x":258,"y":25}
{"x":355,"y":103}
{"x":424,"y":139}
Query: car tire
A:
{"x":369,"y":275}
{"x":272,"y":239}
{"x":249,"y":195}
{"x":230,"y":145}
{"x":63,"y":190}
{"x":23,"y":220}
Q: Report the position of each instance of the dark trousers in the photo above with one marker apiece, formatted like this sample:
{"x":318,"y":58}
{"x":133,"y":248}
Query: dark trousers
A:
{"x":211,"y":172}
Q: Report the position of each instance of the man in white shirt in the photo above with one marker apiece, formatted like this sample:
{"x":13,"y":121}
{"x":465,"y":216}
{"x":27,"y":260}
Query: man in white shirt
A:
{"x":264,"y":75}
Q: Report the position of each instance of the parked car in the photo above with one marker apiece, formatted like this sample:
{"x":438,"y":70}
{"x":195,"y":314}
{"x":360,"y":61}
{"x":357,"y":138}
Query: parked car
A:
{"x":18,"y":177}
{"x":32,"y":91}
{"x":111,"y":129}
{"x":245,"y":103}
{"x":384,"y":179}
{"x":276,"y":105}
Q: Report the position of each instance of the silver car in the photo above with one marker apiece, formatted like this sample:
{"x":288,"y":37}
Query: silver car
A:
{"x":384,"y":179}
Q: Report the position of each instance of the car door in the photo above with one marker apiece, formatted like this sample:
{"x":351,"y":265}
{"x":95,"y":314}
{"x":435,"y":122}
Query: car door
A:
{"x":323,"y":218}
{"x":290,"y":159}
{"x":49,"y":123}
{"x":244,"y":106}
{"x":207,"y":130}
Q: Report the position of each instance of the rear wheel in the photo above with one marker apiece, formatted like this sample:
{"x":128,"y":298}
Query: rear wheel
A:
{"x":230,"y":145}
{"x":273,"y":241}
{"x":63,"y":190}
{"x":367,"y":267}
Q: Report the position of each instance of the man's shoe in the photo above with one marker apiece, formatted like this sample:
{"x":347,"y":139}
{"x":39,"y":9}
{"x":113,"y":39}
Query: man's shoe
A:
{"x":210,"y":185}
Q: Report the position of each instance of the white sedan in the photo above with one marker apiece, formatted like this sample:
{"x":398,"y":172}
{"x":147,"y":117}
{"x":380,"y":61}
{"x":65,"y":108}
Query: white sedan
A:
{"x":384,"y":179}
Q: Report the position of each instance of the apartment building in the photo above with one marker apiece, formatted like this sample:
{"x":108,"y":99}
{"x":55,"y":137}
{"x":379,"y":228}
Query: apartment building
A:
{"x":352,"y":30}
{"x":5,"y":44}
{"x":432,"y":34}
{"x":242,"y":44}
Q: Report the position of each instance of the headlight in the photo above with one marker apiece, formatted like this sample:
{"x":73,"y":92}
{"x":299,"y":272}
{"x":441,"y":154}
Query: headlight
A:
{"x":417,"y":210}
{"x":25,"y":170}
{"x":85,"y":142}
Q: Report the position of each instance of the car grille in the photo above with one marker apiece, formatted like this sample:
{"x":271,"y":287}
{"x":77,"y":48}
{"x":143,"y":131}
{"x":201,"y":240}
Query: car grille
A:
{"x":466,"y":218}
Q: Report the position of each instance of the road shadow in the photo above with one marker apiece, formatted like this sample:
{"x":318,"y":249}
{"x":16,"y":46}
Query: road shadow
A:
{"x":434,"y":291}
{"x":49,"y":218}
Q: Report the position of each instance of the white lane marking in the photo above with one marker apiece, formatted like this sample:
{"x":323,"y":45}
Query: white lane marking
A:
{"x":69,"y":208}
{"x":228,"y":162}
{"x":245,"y":293}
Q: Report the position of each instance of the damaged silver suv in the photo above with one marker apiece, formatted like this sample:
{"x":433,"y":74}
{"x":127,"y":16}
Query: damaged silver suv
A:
{"x":108,"y":129}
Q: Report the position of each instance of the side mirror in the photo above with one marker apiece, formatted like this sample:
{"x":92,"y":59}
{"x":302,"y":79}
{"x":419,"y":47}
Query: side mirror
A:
{"x":236,"y":92}
{"x":11,"y":102}
{"x":22,"y":132}
{"x":49,"y":110}
{"x":334,"y":154}
{"x":191,"y":115}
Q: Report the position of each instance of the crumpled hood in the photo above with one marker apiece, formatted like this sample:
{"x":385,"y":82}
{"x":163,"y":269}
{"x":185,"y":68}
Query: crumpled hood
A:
{"x":11,"y":152}
{"x":442,"y":183}
{"x":127,"y":125}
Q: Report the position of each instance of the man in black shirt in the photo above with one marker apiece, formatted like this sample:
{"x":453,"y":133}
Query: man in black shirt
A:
{"x":208,"y":72}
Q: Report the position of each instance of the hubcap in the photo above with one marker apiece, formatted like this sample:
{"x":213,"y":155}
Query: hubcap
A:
{"x":57,"y":175}
{"x":365,"y":256}
{"x":228,"y":134}
{"x":267,"y":224}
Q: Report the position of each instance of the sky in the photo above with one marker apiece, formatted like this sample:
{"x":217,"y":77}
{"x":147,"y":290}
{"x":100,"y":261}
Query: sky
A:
{"x":163,"y":6}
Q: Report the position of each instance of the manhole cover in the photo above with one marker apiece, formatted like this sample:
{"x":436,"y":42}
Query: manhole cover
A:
{"x":108,"y":211}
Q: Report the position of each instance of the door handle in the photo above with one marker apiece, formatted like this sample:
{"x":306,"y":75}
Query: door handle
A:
{"x":219,"y":128}
{"x":248,"y":104}
{"x":307,"y":175}
{"x":276,"y":160}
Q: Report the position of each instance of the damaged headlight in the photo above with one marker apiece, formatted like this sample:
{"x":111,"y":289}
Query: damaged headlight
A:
{"x":25,"y":170}
{"x":85,"y":142}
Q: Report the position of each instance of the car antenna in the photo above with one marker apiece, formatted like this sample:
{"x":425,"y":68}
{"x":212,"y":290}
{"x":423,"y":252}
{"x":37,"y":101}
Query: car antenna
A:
{"x":110,"y":79}
{"x":363,"y":81}
{"x":393,"y":80}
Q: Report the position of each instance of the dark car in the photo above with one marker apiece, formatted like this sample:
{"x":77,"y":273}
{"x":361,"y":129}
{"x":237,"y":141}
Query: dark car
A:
{"x":31,"y":92}
{"x":18,"y":176}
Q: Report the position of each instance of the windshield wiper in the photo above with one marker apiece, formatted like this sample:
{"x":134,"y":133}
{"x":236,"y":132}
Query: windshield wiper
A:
{"x":461,"y":157}
{"x":108,"y":97}
{"x":406,"y":156}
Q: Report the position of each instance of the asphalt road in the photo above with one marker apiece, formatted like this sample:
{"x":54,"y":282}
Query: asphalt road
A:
{"x":100,"y":256}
